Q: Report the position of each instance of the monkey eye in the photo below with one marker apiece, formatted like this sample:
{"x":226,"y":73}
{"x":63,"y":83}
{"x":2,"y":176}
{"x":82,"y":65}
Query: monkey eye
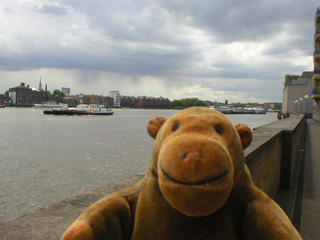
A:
{"x":218,"y":129}
{"x":175,"y":126}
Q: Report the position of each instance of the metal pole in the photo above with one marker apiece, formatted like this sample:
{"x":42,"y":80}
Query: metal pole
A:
{"x":306,"y":106}
{"x":306,"y":97}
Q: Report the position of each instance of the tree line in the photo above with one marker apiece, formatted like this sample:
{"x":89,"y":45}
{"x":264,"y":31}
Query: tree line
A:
{"x":187,"y":102}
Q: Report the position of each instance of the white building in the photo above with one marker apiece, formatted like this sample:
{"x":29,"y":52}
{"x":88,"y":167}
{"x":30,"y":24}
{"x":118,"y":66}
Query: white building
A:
{"x":116,"y":98}
{"x":293,"y":94}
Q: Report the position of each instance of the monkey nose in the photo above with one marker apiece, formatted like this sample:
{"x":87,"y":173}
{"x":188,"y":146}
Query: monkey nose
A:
{"x":192,"y":156}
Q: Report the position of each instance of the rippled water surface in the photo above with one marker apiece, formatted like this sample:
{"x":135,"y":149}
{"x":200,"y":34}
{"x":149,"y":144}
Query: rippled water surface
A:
{"x":45,"y":159}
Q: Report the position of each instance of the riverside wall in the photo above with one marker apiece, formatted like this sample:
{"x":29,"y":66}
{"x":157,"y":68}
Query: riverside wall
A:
{"x":273,"y":153}
{"x":271,"y":158}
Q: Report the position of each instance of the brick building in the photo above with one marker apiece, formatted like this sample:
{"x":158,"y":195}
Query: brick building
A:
{"x":72,"y":101}
{"x":151,"y":102}
{"x":25,"y":96}
{"x":94,"y":99}
{"x":126,"y":101}
{"x":106,"y":101}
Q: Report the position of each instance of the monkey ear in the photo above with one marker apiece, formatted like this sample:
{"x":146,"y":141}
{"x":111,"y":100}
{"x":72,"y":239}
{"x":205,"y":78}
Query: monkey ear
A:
{"x":154,"y":126}
{"x":245,"y":134}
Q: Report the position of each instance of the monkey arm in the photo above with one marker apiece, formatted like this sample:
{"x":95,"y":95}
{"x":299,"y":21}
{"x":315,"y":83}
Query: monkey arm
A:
{"x":111,"y":217}
{"x":264,"y":219}
{"x":108,"y":218}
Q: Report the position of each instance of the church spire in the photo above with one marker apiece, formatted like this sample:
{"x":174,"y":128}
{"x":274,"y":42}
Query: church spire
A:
{"x":40,"y":85}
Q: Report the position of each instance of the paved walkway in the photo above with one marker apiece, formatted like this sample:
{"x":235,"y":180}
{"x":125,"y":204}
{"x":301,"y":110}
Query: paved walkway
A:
{"x":310,"y":219}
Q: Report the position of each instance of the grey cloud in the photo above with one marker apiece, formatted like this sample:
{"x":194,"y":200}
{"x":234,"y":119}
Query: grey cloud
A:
{"x":54,"y":10}
{"x":226,"y":21}
{"x":244,"y":20}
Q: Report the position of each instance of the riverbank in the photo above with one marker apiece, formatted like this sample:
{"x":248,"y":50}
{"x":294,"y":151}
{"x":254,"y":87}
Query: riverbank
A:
{"x":50,"y":222}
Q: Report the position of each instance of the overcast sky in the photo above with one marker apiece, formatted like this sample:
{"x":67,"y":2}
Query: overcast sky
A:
{"x":210,"y":49}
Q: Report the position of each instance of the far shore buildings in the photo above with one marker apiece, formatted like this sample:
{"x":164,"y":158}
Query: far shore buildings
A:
{"x":26,"y":96}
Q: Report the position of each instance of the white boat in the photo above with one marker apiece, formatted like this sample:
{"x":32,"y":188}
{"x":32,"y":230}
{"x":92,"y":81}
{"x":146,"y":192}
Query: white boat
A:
{"x":241,"y":110}
{"x":259,"y":110}
{"x":82,"y":109}
{"x":94,"y":109}
{"x":225,"y":110}
{"x":51,"y":105}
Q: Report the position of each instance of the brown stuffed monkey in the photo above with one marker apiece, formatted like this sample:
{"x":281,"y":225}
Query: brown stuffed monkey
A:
{"x":197,"y":187}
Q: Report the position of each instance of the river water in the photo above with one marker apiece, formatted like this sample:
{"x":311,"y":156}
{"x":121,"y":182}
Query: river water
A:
{"x":45,"y":159}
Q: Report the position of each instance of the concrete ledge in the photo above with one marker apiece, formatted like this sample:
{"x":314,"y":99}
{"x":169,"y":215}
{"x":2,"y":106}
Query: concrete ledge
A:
{"x":50,"y":223}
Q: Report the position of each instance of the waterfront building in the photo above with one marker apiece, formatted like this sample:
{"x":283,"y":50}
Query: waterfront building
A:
{"x":116,"y":98}
{"x":83,"y":99}
{"x":316,"y":69}
{"x":106,"y":101}
{"x":126,"y":101}
{"x":26,"y":96}
{"x":66,"y":91}
{"x":21,"y":95}
{"x":94,"y":99}
{"x":295,"y":92}
{"x":152,"y":102}
{"x":72,"y":101}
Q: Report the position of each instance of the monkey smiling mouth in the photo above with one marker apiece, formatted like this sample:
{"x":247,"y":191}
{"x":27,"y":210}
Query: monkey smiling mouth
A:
{"x":202,"y":182}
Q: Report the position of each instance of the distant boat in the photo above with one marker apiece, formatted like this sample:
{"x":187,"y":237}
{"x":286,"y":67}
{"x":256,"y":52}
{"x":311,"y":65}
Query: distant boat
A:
{"x":82,"y":109}
{"x":241,"y":110}
{"x":93,"y":109}
{"x":51,"y":105}
{"x":225,"y":110}
{"x":259,"y":110}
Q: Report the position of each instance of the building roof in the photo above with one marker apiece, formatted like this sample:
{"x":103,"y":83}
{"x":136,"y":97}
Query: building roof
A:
{"x":19,"y":87}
